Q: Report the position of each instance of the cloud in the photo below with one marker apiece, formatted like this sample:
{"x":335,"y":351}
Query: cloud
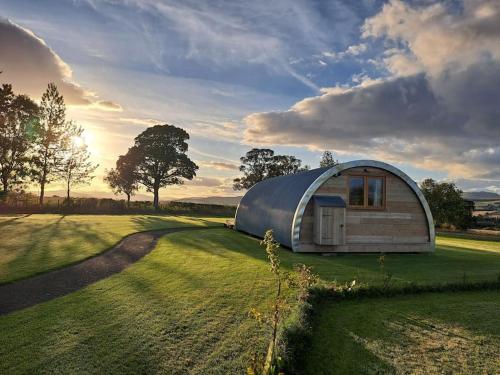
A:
{"x":107,"y":105}
{"x":435,"y":38}
{"x":223,"y":36}
{"x":221,"y":130}
{"x":30,"y":64}
{"x":354,"y":50}
{"x":205,"y":181}
{"x":140,"y":121}
{"x":219,"y":165}
{"x":438,"y":110}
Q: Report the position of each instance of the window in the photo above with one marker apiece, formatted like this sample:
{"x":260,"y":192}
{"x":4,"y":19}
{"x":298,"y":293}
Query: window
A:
{"x":366,"y":192}
{"x":356,"y":191}
{"x":375,"y":191}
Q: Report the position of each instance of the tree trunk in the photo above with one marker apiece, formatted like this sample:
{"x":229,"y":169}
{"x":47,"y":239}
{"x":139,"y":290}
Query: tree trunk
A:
{"x":156,"y":199}
{"x":128,"y":200}
{"x":42,"y":191}
{"x":43,"y":181}
{"x":44,"y":175}
{"x":67,"y":194}
{"x":5,"y":183}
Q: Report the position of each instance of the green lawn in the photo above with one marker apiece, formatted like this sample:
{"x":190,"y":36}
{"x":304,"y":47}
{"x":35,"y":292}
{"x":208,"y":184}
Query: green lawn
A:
{"x":183,"y":308}
{"x":478,"y":259}
{"x":445,"y":333}
{"x":32,"y":244}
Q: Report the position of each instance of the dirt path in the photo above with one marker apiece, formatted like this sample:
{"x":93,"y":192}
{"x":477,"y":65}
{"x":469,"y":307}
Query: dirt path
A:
{"x":50,"y":285}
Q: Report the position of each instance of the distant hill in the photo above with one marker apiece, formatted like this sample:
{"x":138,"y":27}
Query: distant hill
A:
{"x":96,"y":194}
{"x":480,"y":195}
{"x":221,"y":201}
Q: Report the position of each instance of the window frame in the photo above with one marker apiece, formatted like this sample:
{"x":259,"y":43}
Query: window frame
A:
{"x":365,"y":205}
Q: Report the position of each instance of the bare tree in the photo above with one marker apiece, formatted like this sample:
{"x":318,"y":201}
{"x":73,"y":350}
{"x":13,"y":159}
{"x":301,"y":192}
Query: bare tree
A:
{"x":75,"y":167}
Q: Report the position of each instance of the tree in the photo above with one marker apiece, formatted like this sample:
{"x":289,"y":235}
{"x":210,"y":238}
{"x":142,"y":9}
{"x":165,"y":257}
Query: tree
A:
{"x":51,"y":139}
{"x":285,"y":164}
{"x":124,"y":179}
{"x":18,"y":118}
{"x":160,"y":153}
{"x":446,"y":203}
{"x":255,"y":168}
{"x":75,"y":168}
{"x":261,"y":163}
{"x":327,"y":160}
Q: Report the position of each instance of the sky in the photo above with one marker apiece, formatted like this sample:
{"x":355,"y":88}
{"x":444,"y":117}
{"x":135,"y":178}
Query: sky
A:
{"x":415,"y":84}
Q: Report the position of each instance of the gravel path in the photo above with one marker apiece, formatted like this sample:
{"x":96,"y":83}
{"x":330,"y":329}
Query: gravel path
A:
{"x":53,"y":284}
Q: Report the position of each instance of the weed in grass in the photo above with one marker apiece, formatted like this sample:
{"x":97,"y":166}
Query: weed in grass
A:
{"x":279,"y":308}
{"x":302,"y":279}
{"x":387,"y":276}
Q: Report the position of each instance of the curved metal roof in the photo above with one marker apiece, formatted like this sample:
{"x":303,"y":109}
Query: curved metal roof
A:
{"x":272,"y":204}
{"x":279,"y":202}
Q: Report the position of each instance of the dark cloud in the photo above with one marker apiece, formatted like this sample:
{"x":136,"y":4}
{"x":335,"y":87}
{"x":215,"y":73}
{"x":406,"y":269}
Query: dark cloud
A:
{"x":29,"y":64}
{"x":447,"y":117}
{"x":453,"y":119}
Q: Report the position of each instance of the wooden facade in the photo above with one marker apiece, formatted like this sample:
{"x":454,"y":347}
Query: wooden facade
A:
{"x":400,"y":224}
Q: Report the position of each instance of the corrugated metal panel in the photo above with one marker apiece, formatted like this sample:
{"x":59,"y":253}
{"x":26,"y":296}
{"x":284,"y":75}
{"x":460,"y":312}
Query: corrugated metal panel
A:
{"x":328,"y":201}
{"x":271,"y":204}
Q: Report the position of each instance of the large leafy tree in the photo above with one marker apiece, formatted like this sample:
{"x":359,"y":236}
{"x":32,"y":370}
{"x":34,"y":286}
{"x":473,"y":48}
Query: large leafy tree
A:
{"x":285,"y":164}
{"x":261,"y":163}
{"x":124,"y":178}
{"x":18,"y":118}
{"x":75,"y":167}
{"x":327,"y":160}
{"x":446,"y":203}
{"x":160,"y":154}
{"x":52,"y":138}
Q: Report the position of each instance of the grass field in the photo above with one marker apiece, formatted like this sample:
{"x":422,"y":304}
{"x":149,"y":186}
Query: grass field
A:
{"x":38,"y":243}
{"x":32,"y":244}
{"x":445,"y":333}
{"x":454,"y":257}
{"x":183,"y":308}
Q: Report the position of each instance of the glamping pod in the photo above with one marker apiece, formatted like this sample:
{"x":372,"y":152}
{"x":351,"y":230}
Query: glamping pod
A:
{"x":358,"y":206}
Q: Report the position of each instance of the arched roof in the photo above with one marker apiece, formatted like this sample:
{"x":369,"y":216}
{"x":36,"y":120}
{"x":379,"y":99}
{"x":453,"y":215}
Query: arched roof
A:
{"x":279,"y":202}
{"x":272,"y":204}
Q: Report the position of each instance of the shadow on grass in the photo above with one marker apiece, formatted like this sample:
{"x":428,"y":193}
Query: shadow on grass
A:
{"x":64,"y":240}
{"x":165,"y":314}
{"x":149,"y":222}
{"x":43,"y":252}
{"x":10,"y":221}
{"x":181,"y":309}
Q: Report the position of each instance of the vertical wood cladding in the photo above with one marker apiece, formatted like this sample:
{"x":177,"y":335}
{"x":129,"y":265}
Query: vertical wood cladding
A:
{"x":401,"y":221}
